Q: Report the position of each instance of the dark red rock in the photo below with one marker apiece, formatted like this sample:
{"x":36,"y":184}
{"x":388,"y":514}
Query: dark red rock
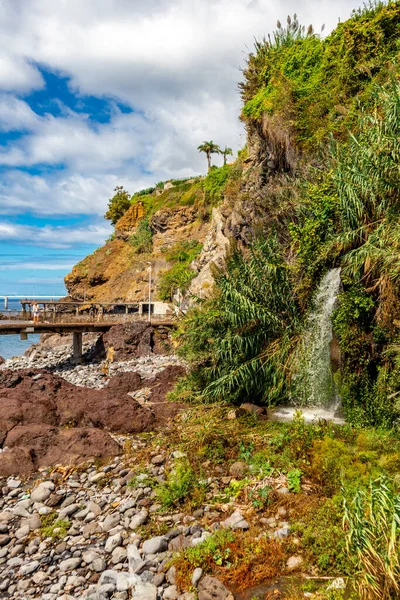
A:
{"x":129,"y":341}
{"x":164,"y":382}
{"x":125,"y":382}
{"x":132,"y":340}
{"x":45,"y":420}
{"x":50,"y":400}
{"x":16,"y":461}
{"x":51,"y":445}
{"x":2,"y":360}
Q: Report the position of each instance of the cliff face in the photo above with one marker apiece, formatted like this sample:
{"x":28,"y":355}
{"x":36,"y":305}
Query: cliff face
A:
{"x":119,"y":269}
{"x":289,"y":115}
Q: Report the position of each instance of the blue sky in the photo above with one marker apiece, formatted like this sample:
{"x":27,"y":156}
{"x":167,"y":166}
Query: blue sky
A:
{"x":101,"y":93}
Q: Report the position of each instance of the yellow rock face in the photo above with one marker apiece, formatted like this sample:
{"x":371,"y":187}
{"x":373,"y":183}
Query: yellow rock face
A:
{"x":128,"y":222}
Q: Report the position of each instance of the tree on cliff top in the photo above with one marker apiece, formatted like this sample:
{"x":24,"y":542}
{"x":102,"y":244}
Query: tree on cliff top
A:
{"x":209,"y":148}
{"x":226,"y":152}
{"x":118,"y":204}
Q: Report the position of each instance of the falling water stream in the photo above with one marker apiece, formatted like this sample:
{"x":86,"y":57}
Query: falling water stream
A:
{"x":317,"y":395}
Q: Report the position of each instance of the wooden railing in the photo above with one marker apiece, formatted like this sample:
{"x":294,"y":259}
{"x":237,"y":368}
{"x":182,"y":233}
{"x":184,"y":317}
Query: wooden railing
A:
{"x":51,"y":317}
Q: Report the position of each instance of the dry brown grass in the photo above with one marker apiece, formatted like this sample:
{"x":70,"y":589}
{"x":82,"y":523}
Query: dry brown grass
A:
{"x":253,"y":561}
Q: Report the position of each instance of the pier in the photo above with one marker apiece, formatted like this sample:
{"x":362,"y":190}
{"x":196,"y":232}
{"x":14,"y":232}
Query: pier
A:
{"x":66,"y":317}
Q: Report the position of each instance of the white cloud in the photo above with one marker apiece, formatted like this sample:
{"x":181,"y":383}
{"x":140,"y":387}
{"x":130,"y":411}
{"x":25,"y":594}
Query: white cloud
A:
{"x":18,"y":75}
{"x":15,"y":114}
{"x":176,"y":63}
{"x":52,"y":237}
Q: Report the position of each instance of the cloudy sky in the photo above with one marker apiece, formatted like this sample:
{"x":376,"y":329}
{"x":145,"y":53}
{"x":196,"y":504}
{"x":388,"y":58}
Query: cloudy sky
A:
{"x":99,"y":93}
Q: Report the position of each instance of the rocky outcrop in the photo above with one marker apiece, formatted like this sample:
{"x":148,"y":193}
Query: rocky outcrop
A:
{"x":30,"y":447}
{"x":173,"y":218}
{"x":40,"y":397}
{"x":212,"y":256}
{"x":118,"y":271}
{"x":133,"y":340}
{"x":128,"y":223}
{"x":45,"y":420}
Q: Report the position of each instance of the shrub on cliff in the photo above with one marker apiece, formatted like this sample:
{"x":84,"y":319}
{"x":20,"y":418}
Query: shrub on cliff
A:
{"x":118,"y":204}
{"x":311,"y":86}
{"x":240,"y":342}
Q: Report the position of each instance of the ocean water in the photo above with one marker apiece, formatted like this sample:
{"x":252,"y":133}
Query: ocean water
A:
{"x":12,"y":345}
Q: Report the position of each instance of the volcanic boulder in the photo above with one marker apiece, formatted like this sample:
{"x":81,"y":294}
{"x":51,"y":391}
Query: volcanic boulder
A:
{"x":32,"y":446}
{"x":131,"y":340}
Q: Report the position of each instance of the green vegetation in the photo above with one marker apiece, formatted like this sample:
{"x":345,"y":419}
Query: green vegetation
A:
{"x":294,"y":480}
{"x":238,"y":341}
{"x":53,"y":527}
{"x":142,"y":239}
{"x":316,"y":84}
{"x":118,"y":204}
{"x":323,"y":538}
{"x":178,"y":486}
{"x":373,"y":536}
{"x":179,"y":275}
{"x":215,"y":182}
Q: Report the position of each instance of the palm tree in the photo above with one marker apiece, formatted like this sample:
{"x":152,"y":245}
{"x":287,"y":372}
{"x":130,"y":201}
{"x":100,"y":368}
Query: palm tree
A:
{"x":209,"y":148}
{"x":226,"y":152}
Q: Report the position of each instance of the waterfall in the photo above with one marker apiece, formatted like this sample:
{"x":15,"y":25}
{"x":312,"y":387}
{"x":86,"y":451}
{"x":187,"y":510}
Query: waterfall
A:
{"x":316,"y":380}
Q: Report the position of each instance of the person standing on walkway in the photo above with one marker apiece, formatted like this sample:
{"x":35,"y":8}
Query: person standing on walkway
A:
{"x":35,"y":310}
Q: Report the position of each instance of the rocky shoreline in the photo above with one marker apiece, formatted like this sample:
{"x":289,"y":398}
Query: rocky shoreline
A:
{"x":51,"y":409}
{"x":87,"y":517}
{"x":101,"y":532}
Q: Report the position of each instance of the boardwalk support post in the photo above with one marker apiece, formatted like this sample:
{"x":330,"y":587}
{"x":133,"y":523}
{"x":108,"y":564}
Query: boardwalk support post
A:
{"x":77,"y":348}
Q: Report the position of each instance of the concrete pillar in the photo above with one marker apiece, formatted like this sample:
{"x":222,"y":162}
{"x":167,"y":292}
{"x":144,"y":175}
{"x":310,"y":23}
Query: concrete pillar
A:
{"x":23,"y":335}
{"x":77,"y":348}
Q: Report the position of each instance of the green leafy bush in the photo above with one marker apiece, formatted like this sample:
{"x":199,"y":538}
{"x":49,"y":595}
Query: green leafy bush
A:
{"x":53,"y":527}
{"x":142,"y":239}
{"x":241,"y":341}
{"x":215,"y":182}
{"x":118,"y":204}
{"x":294,"y":480}
{"x":178,"y":486}
{"x":179,"y":275}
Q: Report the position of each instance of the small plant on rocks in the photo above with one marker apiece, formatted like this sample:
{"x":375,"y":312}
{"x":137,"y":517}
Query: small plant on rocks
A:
{"x":53,"y":527}
{"x":178,"y":486}
{"x":294,"y":480}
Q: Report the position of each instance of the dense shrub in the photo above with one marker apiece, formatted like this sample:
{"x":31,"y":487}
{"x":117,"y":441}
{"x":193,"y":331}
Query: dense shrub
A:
{"x":142,"y":239}
{"x":118,"y":205}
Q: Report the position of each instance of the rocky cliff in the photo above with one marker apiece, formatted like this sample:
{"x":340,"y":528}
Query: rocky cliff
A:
{"x":154,"y":225}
